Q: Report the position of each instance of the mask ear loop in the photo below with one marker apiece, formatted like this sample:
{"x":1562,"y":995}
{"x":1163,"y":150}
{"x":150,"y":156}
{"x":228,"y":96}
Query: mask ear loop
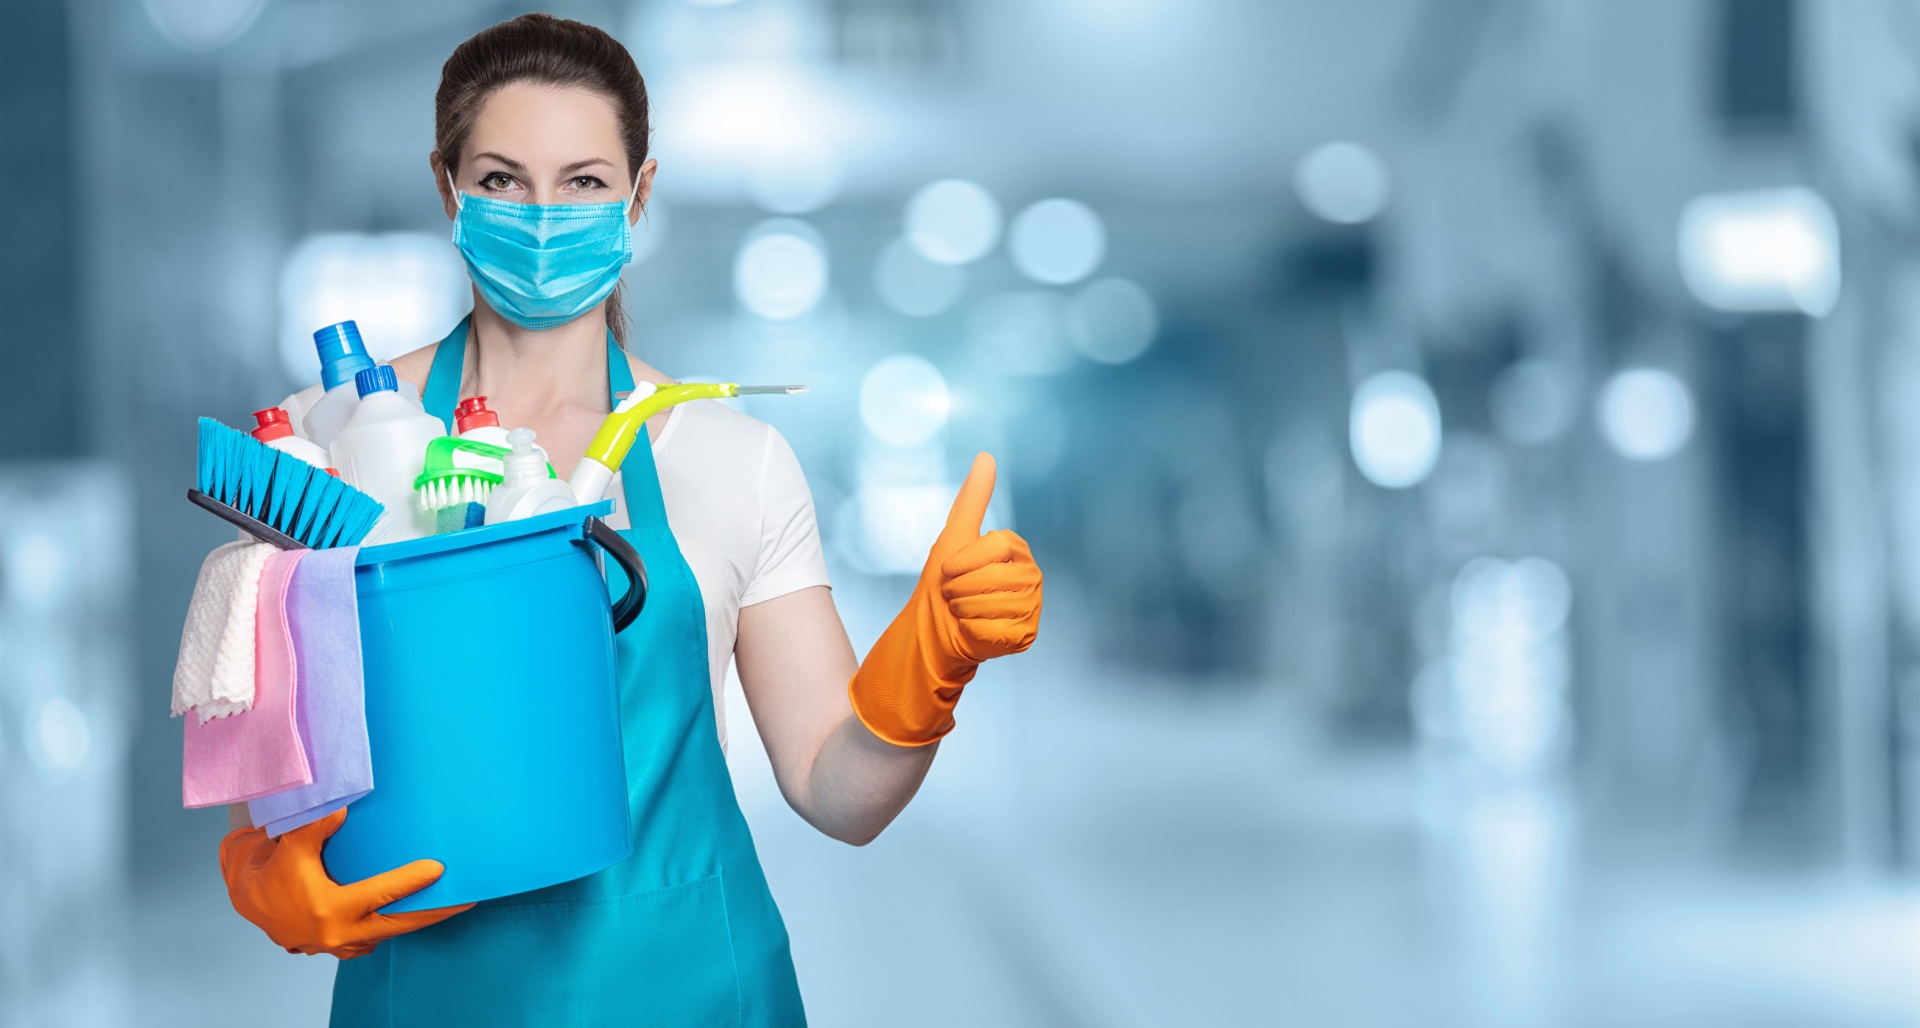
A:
{"x":633,"y":194}
{"x":459,"y":198}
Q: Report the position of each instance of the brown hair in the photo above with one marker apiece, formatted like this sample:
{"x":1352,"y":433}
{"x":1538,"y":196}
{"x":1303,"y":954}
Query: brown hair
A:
{"x":555,"y":51}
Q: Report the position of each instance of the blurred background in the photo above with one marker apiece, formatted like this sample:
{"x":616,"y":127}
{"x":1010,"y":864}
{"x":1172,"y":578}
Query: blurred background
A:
{"x":1470,"y":444}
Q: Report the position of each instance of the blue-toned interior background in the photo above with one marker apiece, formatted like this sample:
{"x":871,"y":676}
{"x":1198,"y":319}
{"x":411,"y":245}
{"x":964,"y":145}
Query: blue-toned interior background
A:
{"x":1470,"y":443}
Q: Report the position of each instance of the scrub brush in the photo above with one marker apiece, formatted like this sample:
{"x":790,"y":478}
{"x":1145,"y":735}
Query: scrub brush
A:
{"x":444,"y":482}
{"x":276,"y":496}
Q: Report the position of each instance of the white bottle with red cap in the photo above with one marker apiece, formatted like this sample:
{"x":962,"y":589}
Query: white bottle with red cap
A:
{"x":473,"y":419}
{"x":274,"y":428}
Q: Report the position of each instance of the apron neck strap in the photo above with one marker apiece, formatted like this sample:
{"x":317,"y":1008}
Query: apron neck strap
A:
{"x":619,"y":376}
{"x":442,"y":393}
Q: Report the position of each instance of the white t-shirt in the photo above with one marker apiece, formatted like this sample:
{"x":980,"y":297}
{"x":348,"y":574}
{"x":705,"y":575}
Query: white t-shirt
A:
{"x":740,"y":509}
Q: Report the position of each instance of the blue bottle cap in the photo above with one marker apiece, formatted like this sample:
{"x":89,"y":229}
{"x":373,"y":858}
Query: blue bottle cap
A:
{"x":342,"y":354}
{"x":375,"y":379}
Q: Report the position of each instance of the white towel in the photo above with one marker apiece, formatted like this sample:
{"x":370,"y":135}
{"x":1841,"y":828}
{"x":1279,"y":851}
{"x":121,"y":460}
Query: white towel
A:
{"x":215,"y":673}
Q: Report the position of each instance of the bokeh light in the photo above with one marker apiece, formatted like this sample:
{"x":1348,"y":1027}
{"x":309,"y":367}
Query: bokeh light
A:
{"x":59,"y":737}
{"x":1763,"y":250}
{"x":1057,"y":241}
{"x":913,"y":285}
{"x":37,"y":570}
{"x":404,"y":289}
{"x":781,"y":271}
{"x":1509,"y":663}
{"x":1112,"y":320}
{"x":1646,"y":413}
{"x":1344,"y":183}
{"x":1394,"y":429}
{"x":953,"y":222}
{"x":904,"y":400}
{"x":898,"y":522}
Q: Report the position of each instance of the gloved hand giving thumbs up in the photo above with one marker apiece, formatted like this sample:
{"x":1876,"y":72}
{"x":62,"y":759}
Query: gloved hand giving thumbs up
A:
{"x":978,"y":598}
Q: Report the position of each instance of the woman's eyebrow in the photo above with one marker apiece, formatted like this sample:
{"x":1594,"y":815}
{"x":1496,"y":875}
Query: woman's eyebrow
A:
{"x":509,"y":162}
{"x":588,"y":163}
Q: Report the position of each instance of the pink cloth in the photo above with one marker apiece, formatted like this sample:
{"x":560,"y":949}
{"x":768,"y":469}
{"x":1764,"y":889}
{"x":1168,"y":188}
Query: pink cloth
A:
{"x":257,"y":751}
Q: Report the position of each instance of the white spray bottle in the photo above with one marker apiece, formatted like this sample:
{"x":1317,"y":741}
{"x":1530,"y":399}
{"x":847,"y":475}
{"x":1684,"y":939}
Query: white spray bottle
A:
{"x":528,"y":488}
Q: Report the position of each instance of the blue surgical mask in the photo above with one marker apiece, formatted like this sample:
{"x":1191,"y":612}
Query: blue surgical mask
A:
{"x":542,"y":265}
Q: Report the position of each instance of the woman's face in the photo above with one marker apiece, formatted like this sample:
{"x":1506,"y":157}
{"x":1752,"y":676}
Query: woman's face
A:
{"x":538,"y":143}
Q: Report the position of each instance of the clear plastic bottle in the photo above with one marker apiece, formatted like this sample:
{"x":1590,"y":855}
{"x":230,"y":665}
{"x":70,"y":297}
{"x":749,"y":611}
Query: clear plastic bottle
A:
{"x":382,"y":449}
{"x":528,"y":490}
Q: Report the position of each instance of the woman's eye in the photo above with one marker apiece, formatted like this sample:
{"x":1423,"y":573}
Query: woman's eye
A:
{"x":588,"y":182}
{"x":497,"y":180}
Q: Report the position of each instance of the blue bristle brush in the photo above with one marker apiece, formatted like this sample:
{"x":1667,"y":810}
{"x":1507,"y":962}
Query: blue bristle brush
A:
{"x":277,"y":497}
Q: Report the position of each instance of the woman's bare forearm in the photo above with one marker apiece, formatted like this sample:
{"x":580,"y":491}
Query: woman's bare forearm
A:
{"x":857,"y":784}
{"x":795,"y":661}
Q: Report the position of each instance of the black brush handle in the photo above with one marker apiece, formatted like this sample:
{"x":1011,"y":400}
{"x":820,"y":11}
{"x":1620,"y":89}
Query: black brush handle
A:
{"x":246,"y":522}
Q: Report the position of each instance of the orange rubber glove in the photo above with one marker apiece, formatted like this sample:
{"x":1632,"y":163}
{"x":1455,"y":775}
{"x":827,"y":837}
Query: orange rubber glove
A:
{"x":978,"y":598}
{"x":280,"y":885}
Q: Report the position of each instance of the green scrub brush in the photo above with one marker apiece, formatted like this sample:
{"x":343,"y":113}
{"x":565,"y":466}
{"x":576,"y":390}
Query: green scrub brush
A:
{"x":457,"y":494}
{"x":444,"y":483}
{"x":275,"y":496}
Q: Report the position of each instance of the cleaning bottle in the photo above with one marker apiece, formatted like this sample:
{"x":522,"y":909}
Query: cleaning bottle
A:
{"x":382,"y":449}
{"x":342,"y":356}
{"x":276,"y":430}
{"x":529,"y":488}
{"x":473,"y":419}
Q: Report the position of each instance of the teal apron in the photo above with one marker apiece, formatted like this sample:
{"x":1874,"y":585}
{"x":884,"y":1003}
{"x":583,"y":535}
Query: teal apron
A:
{"x":682,"y":932}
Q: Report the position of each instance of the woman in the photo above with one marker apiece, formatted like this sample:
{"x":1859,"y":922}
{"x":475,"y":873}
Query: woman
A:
{"x":541,"y":158}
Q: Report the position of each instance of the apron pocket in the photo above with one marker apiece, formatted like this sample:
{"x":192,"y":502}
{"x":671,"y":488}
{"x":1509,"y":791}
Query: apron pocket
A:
{"x":660,"y":957}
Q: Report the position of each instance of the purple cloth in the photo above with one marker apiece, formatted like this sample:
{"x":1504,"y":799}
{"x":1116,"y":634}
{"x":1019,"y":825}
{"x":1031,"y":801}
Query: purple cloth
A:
{"x":331,"y":702}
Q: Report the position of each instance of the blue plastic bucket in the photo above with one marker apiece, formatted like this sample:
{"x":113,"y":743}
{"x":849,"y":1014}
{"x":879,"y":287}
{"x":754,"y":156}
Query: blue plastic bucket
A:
{"x":493,"y":711}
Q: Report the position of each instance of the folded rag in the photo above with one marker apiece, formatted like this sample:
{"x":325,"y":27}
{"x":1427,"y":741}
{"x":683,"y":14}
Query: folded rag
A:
{"x":215,"y":672}
{"x":257,"y":751}
{"x":324,"y":615}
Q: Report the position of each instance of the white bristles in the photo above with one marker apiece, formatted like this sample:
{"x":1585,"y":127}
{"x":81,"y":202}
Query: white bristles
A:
{"x":453,"y":492}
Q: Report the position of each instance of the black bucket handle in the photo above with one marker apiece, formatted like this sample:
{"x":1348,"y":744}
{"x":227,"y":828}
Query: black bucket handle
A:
{"x":628,"y":606}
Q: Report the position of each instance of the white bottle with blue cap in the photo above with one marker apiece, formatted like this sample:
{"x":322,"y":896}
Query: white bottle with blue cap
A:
{"x":382,"y":449}
{"x":342,"y":356}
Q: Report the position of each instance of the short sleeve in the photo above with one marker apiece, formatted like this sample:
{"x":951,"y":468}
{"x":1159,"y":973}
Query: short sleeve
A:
{"x":790,"y":558}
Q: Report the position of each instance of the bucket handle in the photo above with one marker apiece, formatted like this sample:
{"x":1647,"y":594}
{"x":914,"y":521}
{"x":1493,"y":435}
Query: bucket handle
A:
{"x":623,"y":554}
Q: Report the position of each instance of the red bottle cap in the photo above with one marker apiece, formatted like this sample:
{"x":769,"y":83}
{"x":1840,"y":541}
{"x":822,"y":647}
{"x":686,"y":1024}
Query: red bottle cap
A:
{"x":273,"y":425}
{"x":472,"y":413}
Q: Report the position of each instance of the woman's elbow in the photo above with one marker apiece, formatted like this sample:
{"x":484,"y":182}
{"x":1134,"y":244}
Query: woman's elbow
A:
{"x":850,"y":832}
{"x":860,"y":838}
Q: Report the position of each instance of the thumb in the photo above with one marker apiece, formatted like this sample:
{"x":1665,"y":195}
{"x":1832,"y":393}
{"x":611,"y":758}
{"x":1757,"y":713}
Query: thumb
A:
{"x":313,"y":836}
{"x":970,"y":506}
{"x":373,"y":893}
